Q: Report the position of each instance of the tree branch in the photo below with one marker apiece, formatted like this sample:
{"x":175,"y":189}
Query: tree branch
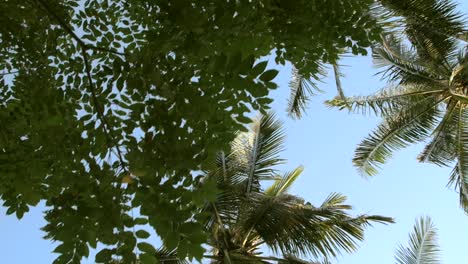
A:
{"x":95,"y":48}
{"x":8,"y":73}
{"x":100,"y":111}
{"x":70,"y":31}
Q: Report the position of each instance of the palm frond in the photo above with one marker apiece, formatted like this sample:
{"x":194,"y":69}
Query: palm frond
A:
{"x":287,"y":224}
{"x":431,"y":25}
{"x":283,"y":184}
{"x":401,"y":64}
{"x":302,"y":88}
{"x":335,"y":201}
{"x":338,"y":75}
{"x":440,"y":149}
{"x":423,"y":247}
{"x":462,"y":187}
{"x":459,"y":176}
{"x":387,"y":101}
{"x":258,"y":151}
{"x":409,"y":126}
{"x":290,"y":259}
{"x":166,"y":256}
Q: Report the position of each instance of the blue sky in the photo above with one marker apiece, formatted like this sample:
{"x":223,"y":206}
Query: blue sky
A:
{"x":323,"y":141}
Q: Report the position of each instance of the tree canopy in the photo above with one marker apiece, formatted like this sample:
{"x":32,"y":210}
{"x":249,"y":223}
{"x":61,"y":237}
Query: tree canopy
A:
{"x":107,"y":106}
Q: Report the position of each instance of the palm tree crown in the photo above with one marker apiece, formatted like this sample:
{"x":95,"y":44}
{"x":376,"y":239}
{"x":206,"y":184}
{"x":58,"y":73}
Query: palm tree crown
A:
{"x":246,"y":218}
{"x":427,"y":97}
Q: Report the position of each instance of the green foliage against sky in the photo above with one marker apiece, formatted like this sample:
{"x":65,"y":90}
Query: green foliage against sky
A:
{"x":425,"y":61}
{"x":423,"y":247}
{"x":106,"y":106}
{"x":246,"y":217}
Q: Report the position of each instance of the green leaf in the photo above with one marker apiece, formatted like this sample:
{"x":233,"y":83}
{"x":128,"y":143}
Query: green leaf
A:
{"x":104,"y":256}
{"x":148,"y":259}
{"x":146,"y":247}
{"x":141,"y":221}
{"x":63,"y":248}
{"x":259,"y":68}
{"x":243,"y":119}
{"x":268,"y":75}
{"x":142,"y":234}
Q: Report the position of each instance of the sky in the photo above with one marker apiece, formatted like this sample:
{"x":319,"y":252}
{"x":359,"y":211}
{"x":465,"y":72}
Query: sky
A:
{"x":323,"y":142}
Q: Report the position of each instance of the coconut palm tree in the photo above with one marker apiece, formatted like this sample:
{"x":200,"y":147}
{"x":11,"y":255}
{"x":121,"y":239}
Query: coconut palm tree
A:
{"x":423,"y":247}
{"x":246,"y":218}
{"x":426,"y":64}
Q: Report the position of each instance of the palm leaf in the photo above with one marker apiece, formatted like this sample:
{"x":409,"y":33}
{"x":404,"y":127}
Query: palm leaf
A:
{"x":409,"y":126}
{"x":401,"y":64}
{"x":456,"y":181}
{"x":283,"y":184}
{"x":338,"y":75}
{"x":286,"y":224}
{"x":423,"y":247}
{"x":301,"y":88}
{"x":459,"y":176}
{"x":385,"y":102}
{"x":440,"y":149}
{"x":431,"y":25}
{"x":257,"y":151}
{"x":290,"y":259}
{"x":166,"y":256}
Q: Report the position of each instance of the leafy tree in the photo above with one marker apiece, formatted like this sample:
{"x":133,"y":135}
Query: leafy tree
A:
{"x":427,"y":97}
{"x":423,"y":247}
{"x":244,"y":216}
{"x":107,"y":106}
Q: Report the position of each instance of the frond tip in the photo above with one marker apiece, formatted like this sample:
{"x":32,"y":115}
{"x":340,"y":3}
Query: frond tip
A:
{"x":301,"y":90}
{"x":282,"y":184}
{"x":423,"y":247}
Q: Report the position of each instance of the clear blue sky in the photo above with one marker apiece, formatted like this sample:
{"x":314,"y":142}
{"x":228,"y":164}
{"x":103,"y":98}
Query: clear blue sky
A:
{"x":324,"y":141}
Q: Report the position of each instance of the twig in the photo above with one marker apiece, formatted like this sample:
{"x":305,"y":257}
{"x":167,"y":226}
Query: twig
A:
{"x":91,"y":47}
{"x":8,"y":73}
{"x":84,"y":48}
{"x":80,"y":42}
{"x":100,"y":112}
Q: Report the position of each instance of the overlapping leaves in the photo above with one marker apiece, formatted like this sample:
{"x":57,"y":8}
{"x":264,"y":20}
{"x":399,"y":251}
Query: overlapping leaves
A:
{"x":108,"y":106}
{"x":244,"y":216}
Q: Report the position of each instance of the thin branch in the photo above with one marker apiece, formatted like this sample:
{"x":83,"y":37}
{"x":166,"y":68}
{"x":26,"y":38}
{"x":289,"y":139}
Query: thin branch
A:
{"x":8,"y":73}
{"x":92,"y":47}
{"x":62,"y":23}
{"x":80,"y":42}
{"x":100,"y":112}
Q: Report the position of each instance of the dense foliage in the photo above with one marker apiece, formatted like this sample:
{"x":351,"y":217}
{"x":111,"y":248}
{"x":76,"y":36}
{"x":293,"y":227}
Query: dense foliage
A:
{"x":246,"y":218}
{"x":107,"y":106}
{"x":425,"y":60}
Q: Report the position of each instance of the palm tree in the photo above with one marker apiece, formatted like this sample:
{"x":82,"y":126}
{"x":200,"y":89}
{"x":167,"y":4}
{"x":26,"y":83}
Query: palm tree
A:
{"x":423,"y":247}
{"x":425,"y":61}
{"x":246,"y":218}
